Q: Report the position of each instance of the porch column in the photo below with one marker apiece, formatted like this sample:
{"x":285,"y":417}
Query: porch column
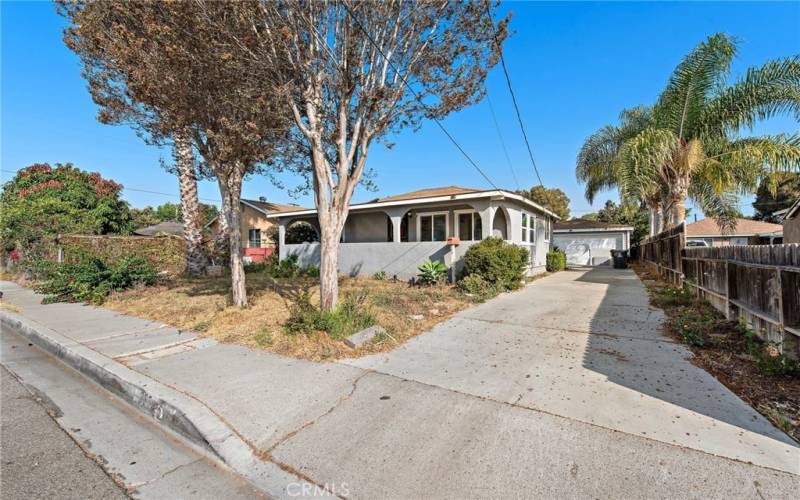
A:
{"x":281,"y":239}
{"x":396,"y":216}
{"x":486,"y":212}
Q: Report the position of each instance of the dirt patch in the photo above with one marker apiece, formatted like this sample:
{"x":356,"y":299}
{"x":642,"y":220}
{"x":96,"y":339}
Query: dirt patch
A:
{"x":722,"y":349}
{"x":202,"y":305}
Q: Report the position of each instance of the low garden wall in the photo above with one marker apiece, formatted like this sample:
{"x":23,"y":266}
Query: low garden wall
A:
{"x":166,"y":253}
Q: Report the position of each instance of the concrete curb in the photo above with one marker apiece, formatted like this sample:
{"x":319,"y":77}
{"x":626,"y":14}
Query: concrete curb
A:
{"x":169,"y":407}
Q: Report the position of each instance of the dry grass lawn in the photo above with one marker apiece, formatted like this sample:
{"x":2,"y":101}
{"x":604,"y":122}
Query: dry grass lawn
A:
{"x":202,"y":305}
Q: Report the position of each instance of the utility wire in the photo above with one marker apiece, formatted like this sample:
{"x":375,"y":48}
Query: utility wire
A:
{"x":416,"y":95}
{"x":502,"y":142}
{"x":514,"y":100}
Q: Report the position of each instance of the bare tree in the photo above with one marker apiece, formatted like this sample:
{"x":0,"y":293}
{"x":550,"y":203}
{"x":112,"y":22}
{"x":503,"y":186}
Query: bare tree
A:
{"x":172,"y":63}
{"x":358,"y":71}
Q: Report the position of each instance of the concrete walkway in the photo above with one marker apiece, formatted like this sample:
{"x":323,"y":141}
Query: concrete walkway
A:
{"x":566,"y":388}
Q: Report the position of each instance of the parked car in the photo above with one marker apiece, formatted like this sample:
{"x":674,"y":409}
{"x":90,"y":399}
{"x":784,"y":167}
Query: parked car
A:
{"x":697,"y":243}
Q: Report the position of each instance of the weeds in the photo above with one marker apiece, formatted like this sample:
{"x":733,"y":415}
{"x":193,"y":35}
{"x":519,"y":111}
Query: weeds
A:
{"x":349,"y":317}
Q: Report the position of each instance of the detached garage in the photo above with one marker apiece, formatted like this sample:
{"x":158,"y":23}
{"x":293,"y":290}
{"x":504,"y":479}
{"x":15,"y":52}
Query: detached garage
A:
{"x":589,"y":242}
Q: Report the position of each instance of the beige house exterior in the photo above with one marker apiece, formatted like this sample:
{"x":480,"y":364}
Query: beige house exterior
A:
{"x":256,"y":227}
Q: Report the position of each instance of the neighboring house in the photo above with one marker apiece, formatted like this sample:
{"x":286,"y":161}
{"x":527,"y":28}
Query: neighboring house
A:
{"x":398,"y":233}
{"x":589,"y":242}
{"x":791,"y":223}
{"x":169,"y":227}
{"x":746,"y":232}
{"x":256,"y":226}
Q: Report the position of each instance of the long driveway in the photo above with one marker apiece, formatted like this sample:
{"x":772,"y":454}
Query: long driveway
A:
{"x":564,"y":389}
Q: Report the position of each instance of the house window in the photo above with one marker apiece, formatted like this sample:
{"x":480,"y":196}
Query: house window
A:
{"x":254,"y":238}
{"x":528,"y":228}
{"x":524,"y":227}
{"x":468,"y":225}
{"x":432,"y":226}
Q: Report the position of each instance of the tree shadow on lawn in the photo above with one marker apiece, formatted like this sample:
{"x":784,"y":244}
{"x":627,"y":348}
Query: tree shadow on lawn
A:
{"x":629,"y":347}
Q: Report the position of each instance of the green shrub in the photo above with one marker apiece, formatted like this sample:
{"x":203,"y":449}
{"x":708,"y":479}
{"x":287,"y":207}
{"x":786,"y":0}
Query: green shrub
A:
{"x":91,"y":279}
{"x":500,"y":264}
{"x":475,"y":285}
{"x":286,"y":268}
{"x":556,"y":261}
{"x":255,"y":267}
{"x":767,"y":356}
{"x":431,"y":272}
{"x":349,"y":317}
{"x":310,"y":271}
{"x":380,"y":275}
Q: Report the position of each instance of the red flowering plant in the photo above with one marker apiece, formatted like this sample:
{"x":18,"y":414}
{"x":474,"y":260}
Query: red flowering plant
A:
{"x":41,"y":202}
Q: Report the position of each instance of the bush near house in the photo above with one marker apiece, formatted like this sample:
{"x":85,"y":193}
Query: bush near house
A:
{"x":431,"y":272}
{"x":498,"y":263}
{"x":556,"y":261}
{"x":92,"y":279}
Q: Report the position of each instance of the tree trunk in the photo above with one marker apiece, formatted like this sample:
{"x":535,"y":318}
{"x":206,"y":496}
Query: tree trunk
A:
{"x":221,"y":245}
{"x":658,"y":219}
{"x":329,"y":268}
{"x":231,"y":189}
{"x":192,"y":215}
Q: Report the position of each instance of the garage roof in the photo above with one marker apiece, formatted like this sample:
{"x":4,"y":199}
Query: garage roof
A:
{"x":588,"y":226}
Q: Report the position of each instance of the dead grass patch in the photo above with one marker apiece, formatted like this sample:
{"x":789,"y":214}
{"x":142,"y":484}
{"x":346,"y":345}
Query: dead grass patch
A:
{"x":720,"y":348}
{"x":202,"y":305}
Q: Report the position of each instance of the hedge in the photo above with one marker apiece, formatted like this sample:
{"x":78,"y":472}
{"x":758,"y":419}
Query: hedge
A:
{"x":167,"y":254}
{"x":556,"y":261}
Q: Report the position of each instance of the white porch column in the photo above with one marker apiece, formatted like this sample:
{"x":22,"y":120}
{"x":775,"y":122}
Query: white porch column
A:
{"x":396,"y":216}
{"x":281,"y":239}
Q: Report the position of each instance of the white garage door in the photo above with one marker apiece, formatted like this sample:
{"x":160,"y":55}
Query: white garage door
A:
{"x":588,"y":249}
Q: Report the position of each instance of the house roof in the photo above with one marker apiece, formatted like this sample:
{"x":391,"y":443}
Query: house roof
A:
{"x":170,"y":227}
{"x":744,"y":227}
{"x":791,"y":212}
{"x":588,"y":225}
{"x":271,"y":207}
{"x":429,"y":195}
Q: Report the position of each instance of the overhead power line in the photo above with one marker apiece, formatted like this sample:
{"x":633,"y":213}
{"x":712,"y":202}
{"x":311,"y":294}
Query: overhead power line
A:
{"x":502,"y":142}
{"x":514,"y":100}
{"x":415,"y":94}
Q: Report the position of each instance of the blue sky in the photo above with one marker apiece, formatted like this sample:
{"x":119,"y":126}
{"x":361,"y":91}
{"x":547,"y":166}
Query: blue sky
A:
{"x":574,"y":66}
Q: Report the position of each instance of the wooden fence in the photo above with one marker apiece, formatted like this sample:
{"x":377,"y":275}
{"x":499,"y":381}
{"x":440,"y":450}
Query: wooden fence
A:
{"x":663,"y":252}
{"x":759,"y":284}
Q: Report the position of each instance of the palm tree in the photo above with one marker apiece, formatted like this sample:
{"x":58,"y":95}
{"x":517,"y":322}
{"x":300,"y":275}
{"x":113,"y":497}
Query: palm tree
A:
{"x":689,"y":144}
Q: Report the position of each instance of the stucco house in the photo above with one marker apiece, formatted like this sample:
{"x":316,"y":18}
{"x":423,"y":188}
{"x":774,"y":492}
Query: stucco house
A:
{"x":589,"y":242}
{"x":791,"y":223}
{"x":397,"y":233}
{"x":255,"y":227}
{"x":746,"y":232}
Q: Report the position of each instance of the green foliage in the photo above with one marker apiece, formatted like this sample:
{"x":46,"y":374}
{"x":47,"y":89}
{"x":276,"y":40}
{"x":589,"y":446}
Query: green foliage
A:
{"x":630,"y":214}
{"x":556,"y":261}
{"x":150,"y":216}
{"x":673,"y":297}
{"x":380,"y":275}
{"x":475,"y":285}
{"x":349,"y":317}
{"x":694,"y":324}
{"x":286,"y":268}
{"x":310,"y":272}
{"x":500,"y":264}
{"x":255,"y":267}
{"x":431,"y":272}
{"x":776,"y":192}
{"x":264,"y":337}
{"x":767,"y":356}
{"x":554,"y":199}
{"x":41,"y":202}
{"x":91,"y":279}
{"x":301,"y":232}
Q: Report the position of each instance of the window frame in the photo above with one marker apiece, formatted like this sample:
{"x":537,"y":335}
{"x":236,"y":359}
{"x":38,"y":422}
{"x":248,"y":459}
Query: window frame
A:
{"x":250,"y":239}
{"x":474,"y":214}
{"x":420,"y":215}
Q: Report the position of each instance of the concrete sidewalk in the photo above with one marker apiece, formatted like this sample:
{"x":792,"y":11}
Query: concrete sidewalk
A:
{"x":563,"y":389}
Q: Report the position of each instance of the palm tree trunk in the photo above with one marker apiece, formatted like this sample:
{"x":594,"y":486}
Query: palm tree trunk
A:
{"x":192,"y":214}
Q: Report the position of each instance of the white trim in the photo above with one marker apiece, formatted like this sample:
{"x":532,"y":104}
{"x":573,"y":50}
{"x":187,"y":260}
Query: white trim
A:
{"x":426,"y":214}
{"x":475,"y":214}
{"x":433,"y":199}
{"x":598,"y":230}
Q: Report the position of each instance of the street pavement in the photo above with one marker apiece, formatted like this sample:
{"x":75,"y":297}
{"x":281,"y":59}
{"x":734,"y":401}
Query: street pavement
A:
{"x":39,"y":460}
{"x":566,"y":388}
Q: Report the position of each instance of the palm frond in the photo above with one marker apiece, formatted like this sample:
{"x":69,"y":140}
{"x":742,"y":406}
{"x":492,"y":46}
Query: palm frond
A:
{"x":642,"y":161}
{"x":723,"y":207}
{"x":764,"y":92}
{"x":701,"y":72}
